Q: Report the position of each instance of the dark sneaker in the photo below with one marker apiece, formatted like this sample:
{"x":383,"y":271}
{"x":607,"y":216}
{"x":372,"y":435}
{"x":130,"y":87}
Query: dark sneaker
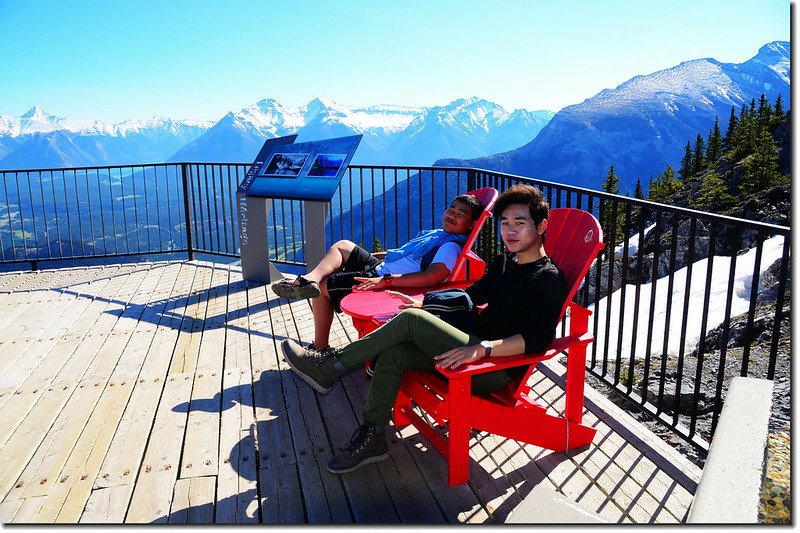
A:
{"x":299,"y":288}
{"x":367,"y":446}
{"x":314,"y":366}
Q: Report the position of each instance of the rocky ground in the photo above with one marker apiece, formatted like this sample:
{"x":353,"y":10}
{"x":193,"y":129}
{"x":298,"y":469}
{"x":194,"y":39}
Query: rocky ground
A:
{"x":776,"y":497}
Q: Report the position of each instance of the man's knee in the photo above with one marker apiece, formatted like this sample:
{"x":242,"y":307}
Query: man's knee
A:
{"x":344,"y":246}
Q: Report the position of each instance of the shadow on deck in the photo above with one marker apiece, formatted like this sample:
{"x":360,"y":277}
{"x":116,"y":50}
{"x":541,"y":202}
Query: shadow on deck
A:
{"x":155,"y":392}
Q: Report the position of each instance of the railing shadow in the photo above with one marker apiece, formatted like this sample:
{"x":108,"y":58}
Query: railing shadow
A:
{"x":172,"y":311}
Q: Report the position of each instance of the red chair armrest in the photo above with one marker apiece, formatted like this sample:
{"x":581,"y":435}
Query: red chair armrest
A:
{"x":482,"y":366}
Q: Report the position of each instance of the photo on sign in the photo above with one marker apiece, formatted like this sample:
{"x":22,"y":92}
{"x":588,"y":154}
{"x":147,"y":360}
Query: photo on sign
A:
{"x":284,"y":165}
{"x":326,"y":165}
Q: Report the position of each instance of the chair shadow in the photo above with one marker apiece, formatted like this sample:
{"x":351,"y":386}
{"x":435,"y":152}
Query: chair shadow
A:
{"x":281,"y":498}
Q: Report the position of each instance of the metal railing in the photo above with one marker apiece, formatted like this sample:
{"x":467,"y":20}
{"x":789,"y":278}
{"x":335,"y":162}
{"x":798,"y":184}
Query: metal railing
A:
{"x":677,"y":307}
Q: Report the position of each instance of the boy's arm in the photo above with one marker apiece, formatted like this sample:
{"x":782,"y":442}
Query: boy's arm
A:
{"x":431,"y":276}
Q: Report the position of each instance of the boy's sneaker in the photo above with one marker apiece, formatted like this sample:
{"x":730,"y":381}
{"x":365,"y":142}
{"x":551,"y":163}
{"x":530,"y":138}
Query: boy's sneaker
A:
{"x":316,"y":367}
{"x":367,"y":446}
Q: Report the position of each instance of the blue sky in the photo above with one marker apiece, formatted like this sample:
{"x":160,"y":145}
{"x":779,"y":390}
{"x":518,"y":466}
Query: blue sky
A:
{"x":112,"y":60}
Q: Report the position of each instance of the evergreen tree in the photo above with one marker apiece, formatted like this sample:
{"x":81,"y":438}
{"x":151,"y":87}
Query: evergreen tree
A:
{"x":653,"y":188}
{"x":764,"y":112}
{"x":698,"y":159}
{"x":713,"y":195}
{"x":686,"y":162}
{"x":714,"y":149}
{"x":732,"y":122}
{"x":761,"y":170}
{"x":779,"y":112}
{"x":376,"y":245}
{"x":741,"y":140}
{"x":669,"y":185}
{"x":611,"y":186}
{"x":637,"y":192}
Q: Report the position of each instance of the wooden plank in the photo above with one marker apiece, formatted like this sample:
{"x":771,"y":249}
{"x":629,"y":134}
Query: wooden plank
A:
{"x":51,"y":324}
{"x":8,"y":509}
{"x":127,"y":447}
{"x":67,"y":497}
{"x":107,"y":505}
{"x":324,"y":497}
{"x":281,"y":499}
{"x":85,"y":462}
{"x":152,"y":494}
{"x":459,"y":504}
{"x":201,"y":449}
{"x":193,"y":501}
{"x":122,"y":461}
{"x":24,"y":442}
{"x":42,"y":471}
{"x":412,"y":497}
{"x":26,"y":514}
{"x":628,"y":475}
{"x":237,"y":483}
{"x":48,"y":460}
{"x":237,"y":491}
{"x":187,"y":348}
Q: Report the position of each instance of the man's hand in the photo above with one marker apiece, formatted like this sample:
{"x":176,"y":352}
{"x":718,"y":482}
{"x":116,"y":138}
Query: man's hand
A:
{"x":368,"y":284}
{"x":408,"y":301}
{"x":460,"y":356}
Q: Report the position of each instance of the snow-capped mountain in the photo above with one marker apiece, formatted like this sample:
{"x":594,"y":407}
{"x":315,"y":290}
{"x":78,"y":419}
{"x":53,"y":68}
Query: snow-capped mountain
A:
{"x":643,"y":125}
{"x":38,"y":139}
{"x":392,"y":134}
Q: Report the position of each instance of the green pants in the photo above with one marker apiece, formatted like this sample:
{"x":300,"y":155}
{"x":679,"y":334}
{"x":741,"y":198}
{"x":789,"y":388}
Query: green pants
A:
{"x":409,"y":341}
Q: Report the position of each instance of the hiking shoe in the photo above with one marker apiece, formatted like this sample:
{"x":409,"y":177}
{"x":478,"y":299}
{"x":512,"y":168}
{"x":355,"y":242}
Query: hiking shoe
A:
{"x":366,"y":446}
{"x":298,"y":288}
{"x":314,"y":366}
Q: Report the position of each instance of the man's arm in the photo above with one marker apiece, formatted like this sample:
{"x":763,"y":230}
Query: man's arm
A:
{"x":456,"y":357}
{"x":435,"y":273}
{"x":379,"y":255}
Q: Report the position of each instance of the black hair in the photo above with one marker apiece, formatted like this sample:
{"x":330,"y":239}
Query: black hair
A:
{"x":524,"y":195}
{"x":472,"y":202}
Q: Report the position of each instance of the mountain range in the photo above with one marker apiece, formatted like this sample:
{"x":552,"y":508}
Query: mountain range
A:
{"x":643,"y":124}
{"x":392,"y":134}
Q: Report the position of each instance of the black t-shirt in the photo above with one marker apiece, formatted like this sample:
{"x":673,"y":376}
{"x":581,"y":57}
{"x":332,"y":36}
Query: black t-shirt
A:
{"x":521,"y":299}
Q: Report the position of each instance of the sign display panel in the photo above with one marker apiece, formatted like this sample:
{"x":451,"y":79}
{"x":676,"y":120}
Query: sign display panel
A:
{"x":265,"y":151}
{"x":302,"y":171}
{"x":284,"y":165}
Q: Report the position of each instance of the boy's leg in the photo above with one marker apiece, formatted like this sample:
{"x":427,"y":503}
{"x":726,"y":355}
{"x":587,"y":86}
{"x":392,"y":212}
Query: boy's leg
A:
{"x":322,"y":310}
{"x":385,"y":383}
{"x":429,"y":333}
{"x":333,"y":261}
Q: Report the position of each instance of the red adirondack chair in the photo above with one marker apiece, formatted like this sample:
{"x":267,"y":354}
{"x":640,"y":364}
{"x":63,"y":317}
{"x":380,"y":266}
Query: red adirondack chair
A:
{"x":469,"y":266}
{"x":573,"y":239}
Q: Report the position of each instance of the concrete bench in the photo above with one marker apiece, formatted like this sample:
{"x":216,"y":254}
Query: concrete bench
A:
{"x":730,"y":487}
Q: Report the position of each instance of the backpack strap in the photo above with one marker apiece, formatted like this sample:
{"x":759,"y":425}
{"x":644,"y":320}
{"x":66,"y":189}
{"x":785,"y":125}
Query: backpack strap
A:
{"x":427,"y":259}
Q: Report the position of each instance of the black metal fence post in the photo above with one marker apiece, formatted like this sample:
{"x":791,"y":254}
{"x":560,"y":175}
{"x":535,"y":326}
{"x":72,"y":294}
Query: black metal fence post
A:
{"x":186,"y":211}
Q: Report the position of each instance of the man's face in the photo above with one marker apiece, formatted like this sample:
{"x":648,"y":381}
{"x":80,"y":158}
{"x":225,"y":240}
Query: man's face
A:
{"x":518,"y":230}
{"x":458,"y":218}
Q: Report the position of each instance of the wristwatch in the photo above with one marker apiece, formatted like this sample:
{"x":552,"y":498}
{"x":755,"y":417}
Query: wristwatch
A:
{"x":387,"y":280}
{"x":487,"y":348}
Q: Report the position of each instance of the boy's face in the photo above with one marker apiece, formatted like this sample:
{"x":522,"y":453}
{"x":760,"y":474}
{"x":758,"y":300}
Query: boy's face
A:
{"x":458,"y":218}
{"x":519,"y":232}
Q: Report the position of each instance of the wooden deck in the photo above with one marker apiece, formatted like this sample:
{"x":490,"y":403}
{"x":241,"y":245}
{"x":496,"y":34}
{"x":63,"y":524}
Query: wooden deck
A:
{"x":154,"y":392}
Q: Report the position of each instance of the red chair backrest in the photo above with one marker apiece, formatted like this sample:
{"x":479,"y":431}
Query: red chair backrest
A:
{"x":573,"y":239}
{"x":487,"y":196}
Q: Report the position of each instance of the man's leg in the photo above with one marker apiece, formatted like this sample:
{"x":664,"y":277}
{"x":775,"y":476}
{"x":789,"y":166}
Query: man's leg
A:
{"x":432,"y":335}
{"x":333,"y":261}
{"x":322,"y":310}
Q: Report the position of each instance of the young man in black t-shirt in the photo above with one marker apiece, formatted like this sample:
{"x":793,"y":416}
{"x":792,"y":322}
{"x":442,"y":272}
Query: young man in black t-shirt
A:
{"x":524,"y":292}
